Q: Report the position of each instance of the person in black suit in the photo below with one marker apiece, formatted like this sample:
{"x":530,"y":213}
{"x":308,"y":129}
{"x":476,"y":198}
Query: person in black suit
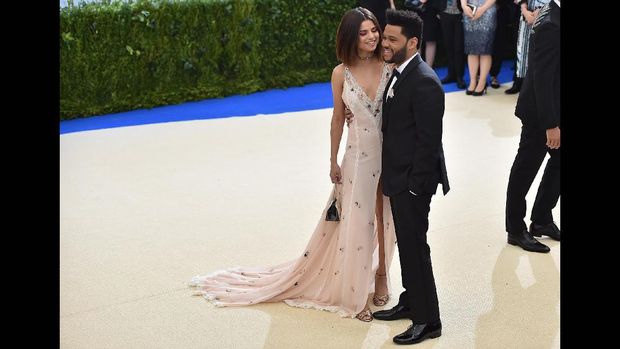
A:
{"x":377,"y":7}
{"x":451,"y":20}
{"x":412,"y":167}
{"x":538,"y":107}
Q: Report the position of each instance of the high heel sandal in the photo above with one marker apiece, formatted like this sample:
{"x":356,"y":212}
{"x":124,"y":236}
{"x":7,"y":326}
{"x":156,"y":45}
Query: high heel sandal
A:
{"x":380,"y":300}
{"x":364,"y":315}
{"x":471,"y":92}
{"x":484,"y":90}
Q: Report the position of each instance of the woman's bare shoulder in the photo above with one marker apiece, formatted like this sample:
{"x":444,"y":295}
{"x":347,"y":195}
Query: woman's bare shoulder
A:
{"x":338,"y":72}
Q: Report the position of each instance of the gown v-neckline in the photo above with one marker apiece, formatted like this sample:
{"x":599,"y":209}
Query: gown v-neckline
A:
{"x":354,"y":80}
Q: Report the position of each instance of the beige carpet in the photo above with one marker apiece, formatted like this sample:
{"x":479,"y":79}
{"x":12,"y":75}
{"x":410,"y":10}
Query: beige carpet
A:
{"x":145,"y":208}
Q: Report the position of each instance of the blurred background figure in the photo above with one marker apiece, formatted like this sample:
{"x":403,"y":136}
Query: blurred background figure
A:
{"x":430,"y":29}
{"x":529,"y":11}
{"x":377,"y":7}
{"x":451,"y":22}
{"x":479,"y":27}
{"x":507,"y":28}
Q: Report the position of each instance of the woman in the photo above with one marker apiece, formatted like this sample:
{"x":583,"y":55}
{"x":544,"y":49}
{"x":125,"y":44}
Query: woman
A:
{"x":430,"y":31}
{"x":344,"y":261}
{"x":479,"y":27}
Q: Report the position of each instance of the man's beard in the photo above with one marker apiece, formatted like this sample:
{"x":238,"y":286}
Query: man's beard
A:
{"x":399,"y":56}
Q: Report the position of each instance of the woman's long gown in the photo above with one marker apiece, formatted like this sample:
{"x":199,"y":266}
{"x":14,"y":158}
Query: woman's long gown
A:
{"x":336,"y":271}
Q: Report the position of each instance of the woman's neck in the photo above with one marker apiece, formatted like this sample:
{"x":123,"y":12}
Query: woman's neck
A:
{"x":365,"y":56}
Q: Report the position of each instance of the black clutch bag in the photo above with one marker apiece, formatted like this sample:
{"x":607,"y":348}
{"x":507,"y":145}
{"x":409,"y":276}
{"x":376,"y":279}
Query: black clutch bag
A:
{"x":473,"y":8}
{"x":332,"y":212}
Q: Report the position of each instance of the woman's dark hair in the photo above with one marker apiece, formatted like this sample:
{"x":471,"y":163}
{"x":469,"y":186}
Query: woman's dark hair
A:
{"x":409,"y":21}
{"x":347,"y":36}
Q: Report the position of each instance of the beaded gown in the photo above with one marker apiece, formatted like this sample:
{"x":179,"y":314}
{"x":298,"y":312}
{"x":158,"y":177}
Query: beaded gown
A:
{"x":336,"y":270}
{"x":479,"y":34}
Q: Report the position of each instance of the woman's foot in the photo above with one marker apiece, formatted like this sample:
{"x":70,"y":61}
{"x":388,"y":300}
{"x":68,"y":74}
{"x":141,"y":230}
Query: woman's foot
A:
{"x":381,"y":296}
{"x":494,"y":82}
{"x":480,"y":89}
{"x":365,"y":315}
{"x":472,"y":86}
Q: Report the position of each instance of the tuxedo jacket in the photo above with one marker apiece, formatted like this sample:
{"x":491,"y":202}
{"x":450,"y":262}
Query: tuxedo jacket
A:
{"x":412,"y":152}
{"x":538,"y":105}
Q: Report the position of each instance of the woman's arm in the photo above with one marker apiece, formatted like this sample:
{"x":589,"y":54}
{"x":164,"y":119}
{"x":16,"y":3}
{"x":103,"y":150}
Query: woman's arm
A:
{"x":466,"y":10}
{"x":484,"y":7}
{"x":337,"y":123}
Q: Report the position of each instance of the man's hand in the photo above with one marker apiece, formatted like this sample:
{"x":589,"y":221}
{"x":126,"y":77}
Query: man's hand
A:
{"x":530,"y":16}
{"x":553,"y":138}
{"x":348,"y":115}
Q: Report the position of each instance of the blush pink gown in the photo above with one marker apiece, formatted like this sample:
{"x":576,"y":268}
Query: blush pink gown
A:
{"x":336,"y":270}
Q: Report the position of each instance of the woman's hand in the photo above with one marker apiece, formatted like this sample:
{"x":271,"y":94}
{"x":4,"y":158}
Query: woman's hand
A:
{"x":468,"y":12}
{"x":335,"y":173}
{"x":479,"y":12}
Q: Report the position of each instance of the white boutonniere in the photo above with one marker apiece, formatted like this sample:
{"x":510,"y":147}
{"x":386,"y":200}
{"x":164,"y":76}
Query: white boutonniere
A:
{"x":390,"y":93}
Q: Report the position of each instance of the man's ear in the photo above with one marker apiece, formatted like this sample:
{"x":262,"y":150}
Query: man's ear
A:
{"x":412,"y":43}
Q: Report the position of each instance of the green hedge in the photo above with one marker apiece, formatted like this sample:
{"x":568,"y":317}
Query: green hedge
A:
{"x":117,"y":56}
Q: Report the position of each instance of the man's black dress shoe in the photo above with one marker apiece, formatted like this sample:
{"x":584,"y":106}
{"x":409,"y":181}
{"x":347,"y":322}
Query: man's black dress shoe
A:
{"x":398,"y":312}
{"x":448,"y":79}
{"x":516,"y":87}
{"x":551,"y":230}
{"x":460,"y":84}
{"x":525,"y":240}
{"x":419,"y":332}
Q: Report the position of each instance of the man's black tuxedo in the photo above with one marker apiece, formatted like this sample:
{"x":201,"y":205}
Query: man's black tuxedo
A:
{"x":412,"y":157}
{"x":538,"y":107}
{"x":413,"y":160}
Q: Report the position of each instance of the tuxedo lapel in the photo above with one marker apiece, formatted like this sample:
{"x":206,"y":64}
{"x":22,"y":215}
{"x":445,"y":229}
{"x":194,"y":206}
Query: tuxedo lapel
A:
{"x":388,"y":103}
{"x":387,"y":87}
{"x":385,"y":113}
{"x":408,"y":69}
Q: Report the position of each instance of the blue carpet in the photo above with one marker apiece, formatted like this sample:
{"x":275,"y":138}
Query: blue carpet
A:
{"x":308,"y":97}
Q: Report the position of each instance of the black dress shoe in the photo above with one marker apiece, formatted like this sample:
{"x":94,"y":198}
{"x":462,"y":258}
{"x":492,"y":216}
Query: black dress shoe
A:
{"x":448,"y":79}
{"x":460,"y":84}
{"x":398,"y":312}
{"x":525,"y":240}
{"x":516,"y":87}
{"x":495,"y":83}
{"x":419,"y":332}
{"x":551,"y":230}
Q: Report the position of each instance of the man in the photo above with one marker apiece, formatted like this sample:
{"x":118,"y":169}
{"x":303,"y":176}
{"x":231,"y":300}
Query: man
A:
{"x":412,"y":167}
{"x":528,"y":10}
{"x":538,"y":107}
